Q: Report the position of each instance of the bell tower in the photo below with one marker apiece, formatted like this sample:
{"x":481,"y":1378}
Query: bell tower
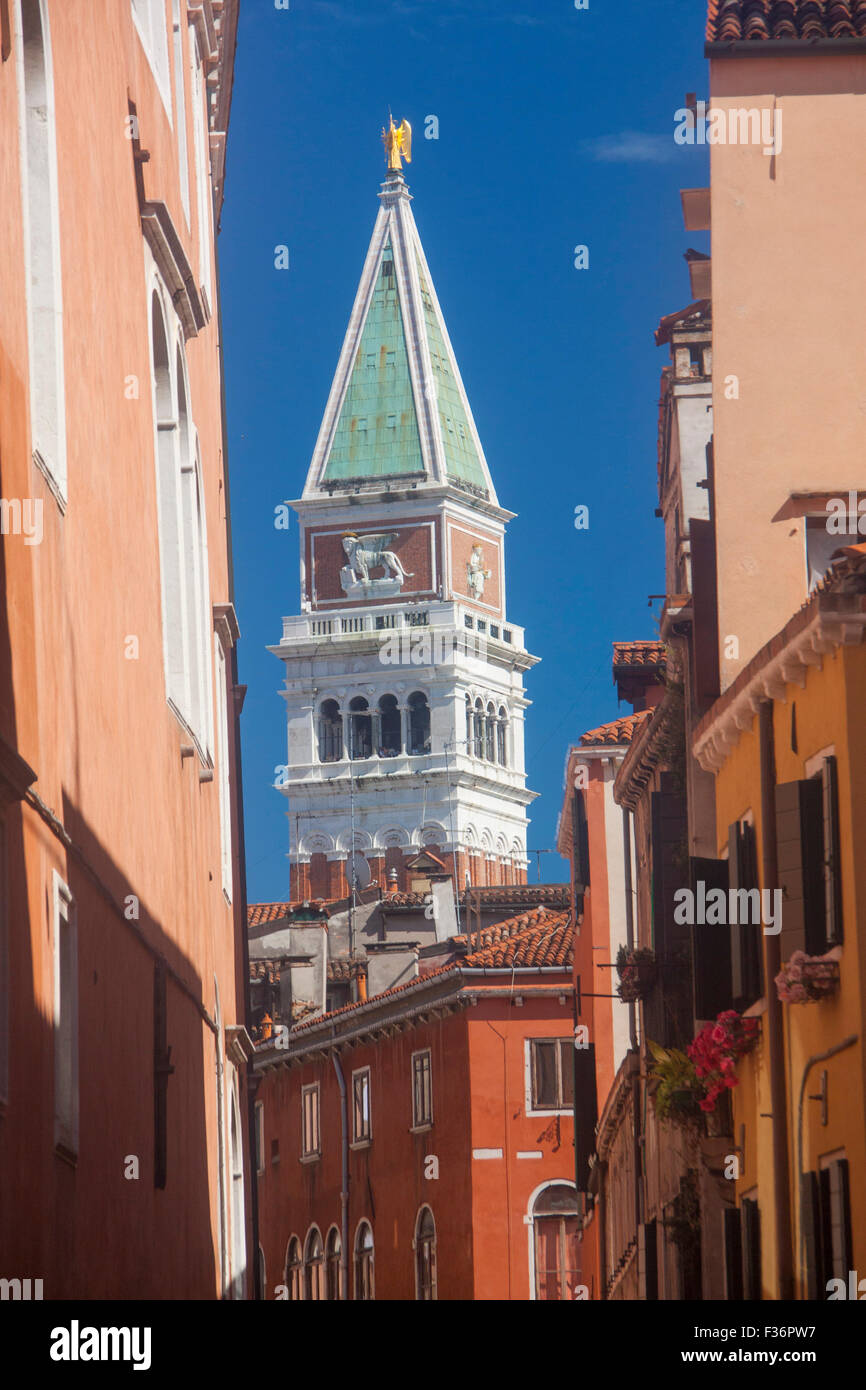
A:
{"x":403,"y":672}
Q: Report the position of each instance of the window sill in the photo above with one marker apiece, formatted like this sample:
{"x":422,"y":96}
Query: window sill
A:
{"x":421,"y":1129}
{"x":568,"y":1110}
{"x":310,"y":1158}
{"x":361,"y":1144}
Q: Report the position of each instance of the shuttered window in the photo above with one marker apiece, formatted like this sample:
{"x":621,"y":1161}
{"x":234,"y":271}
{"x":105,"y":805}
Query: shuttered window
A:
{"x":807,"y":830}
{"x":751,"y":1238}
{"x":746,"y":931}
{"x":825,"y":1213}
{"x":711,"y":943}
{"x":585,"y":1112}
{"x":579,"y":843}
{"x":733,"y":1254}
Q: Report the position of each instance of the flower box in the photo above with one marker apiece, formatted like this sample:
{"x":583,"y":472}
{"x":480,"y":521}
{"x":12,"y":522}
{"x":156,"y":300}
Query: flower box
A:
{"x":807,"y":979}
{"x":637,"y":973}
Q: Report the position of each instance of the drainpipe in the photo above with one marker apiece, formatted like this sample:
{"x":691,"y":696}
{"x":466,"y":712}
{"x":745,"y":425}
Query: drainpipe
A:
{"x":637,"y":1141}
{"x":344,"y":1191}
{"x":774,"y":1017}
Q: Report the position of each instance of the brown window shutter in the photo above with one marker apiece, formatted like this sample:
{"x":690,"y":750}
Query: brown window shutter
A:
{"x":705,"y":666}
{"x":733,"y":1254}
{"x":810,"y":1217}
{"x":711,"y":945}
{"x":579,"y":843}
{"x":752,"y":1286}
{"x":799,"y":835}
{"x":832,"y":864}
{"x":585,"y":1112}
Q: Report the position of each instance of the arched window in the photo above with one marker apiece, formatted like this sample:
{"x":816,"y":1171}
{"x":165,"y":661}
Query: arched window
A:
{"x":333,"y":1255}
{"x":237,"y":1205}
{"x":390,"y":732}
{"x":42,"y":245}
{"x":500,"y":736}
{"x":314,"y":1272}
{"x":330,"y":732}
{"x":425,"y":1256}
{"x":479,"y":729}
{"x":556,"y":1225}
{"x":360,"y":729}
{"x":469,"y":726}
{"x":419,"y":724}
{"x":364,"y":1284}
{"x":490,"y":734}
{"x":294,"y":1270}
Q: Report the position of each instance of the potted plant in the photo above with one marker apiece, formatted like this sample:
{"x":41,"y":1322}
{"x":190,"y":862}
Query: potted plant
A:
{"x":807,"y":979}
{"x":716,"y":1050}
{"x":636,"y":968}
{"x":676,"y":1091}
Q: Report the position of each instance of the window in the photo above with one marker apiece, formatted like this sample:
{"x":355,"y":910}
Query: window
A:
{"x":490,"y":734}
{"x":42,"y":246}
{"x":807,"y":829}
{"x":364,"y":1277}
{"x":556,"y":1227}
{"x":551,"y":1074}
{"x":479,"y":729}
{"x":361,"y":1125}
{"x":260,"y":1137}
{"x":425,"y":1256}
{"x":390,"y":731}
{"x":311,"y":1144}
{"x":180,"y":107}
{"x":330,"y":732}
{"x":422,"y":1090}
{"x":201,"y":150}
{"x":294,"y":1270}
{"x":182,"y":540}
{"x":222,"y":745}
{"x":333,"y":1272}
{"x":314,"y":1267}
{"x":360,"y":729}
{"x":65,"y":1019}
{"x":826,"y":1221}
{"x":500,"y":736}
{"x":419,"y":724}
{"x":149,"y":16}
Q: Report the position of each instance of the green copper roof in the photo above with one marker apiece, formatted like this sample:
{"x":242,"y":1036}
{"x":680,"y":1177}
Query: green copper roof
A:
{"x":460,"y":452}
{"x":377,"y":433}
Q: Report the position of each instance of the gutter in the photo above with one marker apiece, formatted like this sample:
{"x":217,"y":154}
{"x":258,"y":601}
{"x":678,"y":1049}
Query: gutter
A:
{"x":774,"y":1022}
{"x":768,"y":48}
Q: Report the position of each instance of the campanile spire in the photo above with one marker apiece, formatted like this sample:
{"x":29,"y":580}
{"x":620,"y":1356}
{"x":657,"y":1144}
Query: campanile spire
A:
{"x":404,"y":674}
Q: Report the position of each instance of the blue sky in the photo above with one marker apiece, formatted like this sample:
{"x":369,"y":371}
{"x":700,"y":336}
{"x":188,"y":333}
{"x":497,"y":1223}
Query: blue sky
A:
{"x":555,"y":129}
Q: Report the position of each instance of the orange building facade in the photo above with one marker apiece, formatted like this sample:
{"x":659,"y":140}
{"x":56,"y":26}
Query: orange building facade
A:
{"x":123,"y":1097}
{"x":447,"y":1172}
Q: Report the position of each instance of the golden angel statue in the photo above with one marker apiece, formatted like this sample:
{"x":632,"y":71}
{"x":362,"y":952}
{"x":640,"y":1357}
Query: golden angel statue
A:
{"x":398,"y":142}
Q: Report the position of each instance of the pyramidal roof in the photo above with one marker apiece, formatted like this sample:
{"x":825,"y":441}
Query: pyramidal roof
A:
{"x":398,"y":411}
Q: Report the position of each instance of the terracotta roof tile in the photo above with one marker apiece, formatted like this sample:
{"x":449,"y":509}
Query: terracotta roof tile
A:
{"x":638,"y":654}
{"x":555,"y":894}
{"x":732,"y":21}
{"x":618,"y":731}
{"x":543,"y":939}
{"x":260,"y":913}
{"x":530,"y":940}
